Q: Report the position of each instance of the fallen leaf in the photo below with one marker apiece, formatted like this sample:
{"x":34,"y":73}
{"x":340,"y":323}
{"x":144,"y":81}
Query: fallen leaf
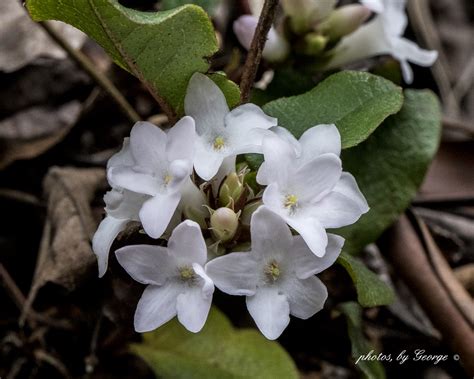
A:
{"x":65,"y":257}
{"x":22,"y":40}
{"x":30,"y":133}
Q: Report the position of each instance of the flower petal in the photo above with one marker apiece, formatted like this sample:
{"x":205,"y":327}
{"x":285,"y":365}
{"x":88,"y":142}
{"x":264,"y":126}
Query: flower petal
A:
{"x":249,"y":116}
{"x":156,"y":213}
{"x":271,"y":237}
{"x":306,"y":297}
{"x":187,"y":243}
{"x":306,"y":264}
{"x":194,"y":304}
{"x":148,"y":145}
{"x":156,"y":306}
{"x":207,"y":161}
{"x":270,"y":311}
{"x":181,"y":138}
{"x":279,"y":156}
{"x":312,"y":232}
{"x":123,"y":158}
{"x":132,"y":180}
{"x":316,"y":178}
{"x":347,"y":186}
{"x":318,"y":140}
{"x":124,"y":204}
{"x":146,"y":264}
{"x":234,"y":273}
{"x":336,"y":210}
{"x":103,"y":238}
{"x":206,"y":103}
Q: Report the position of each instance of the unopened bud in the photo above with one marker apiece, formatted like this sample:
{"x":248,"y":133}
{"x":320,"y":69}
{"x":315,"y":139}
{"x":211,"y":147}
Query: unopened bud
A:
{"x":314,"y":44}
{"x":276,"y":48}
{"x":306,"y":13}
{"x":231,"y":190}
{"x":344,"y":20}
{"x":224,"y":224}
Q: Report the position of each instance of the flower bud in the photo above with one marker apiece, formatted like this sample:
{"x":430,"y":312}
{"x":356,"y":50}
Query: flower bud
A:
{"x":224,"y":224}
{"x":344,"y":20}
{"x":276,"y":48}
{"x":231,"y":190}
{"x":305,"y":13}
{"x":314,"y":43}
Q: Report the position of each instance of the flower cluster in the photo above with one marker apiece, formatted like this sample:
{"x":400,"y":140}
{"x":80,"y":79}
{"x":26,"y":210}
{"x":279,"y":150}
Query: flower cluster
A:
{"x":265,"y":240}
{"x":338,"y":36}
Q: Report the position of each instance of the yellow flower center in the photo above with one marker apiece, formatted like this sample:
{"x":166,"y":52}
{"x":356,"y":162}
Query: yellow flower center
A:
{"x":219,"y":143}
{"x":186,"y":273}
{"x":291,"y":202}
{"x":273,"y":271}
{"x":167,"y":179}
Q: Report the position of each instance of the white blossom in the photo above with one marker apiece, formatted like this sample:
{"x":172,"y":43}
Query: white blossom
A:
{"x":161,"y":164}
{"x":306,"y":185}
{"x":177,"y":283}
{"x":121,"y":207}
{"x":222,"y":133}
{"x":383,"y":35}
{"x":277,"y":275}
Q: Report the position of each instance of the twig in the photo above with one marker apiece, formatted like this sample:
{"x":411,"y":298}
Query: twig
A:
{"x":422,"y":22}
{"x":85,"y":63}
{"x":458,"y":125}
{"x":14,"y":292}
{"x":405,"y":251}
{"x":21,"y":196}
{"x":256,"y":48}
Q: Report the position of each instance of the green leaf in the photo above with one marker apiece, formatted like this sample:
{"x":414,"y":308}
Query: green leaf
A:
{"x":162,"y":49}
{"x":209,"y":6}
{"x":371,"y":291}
{"x":357,"y":102}
{"x":360,"y":345}
{"x":219,"y":351}
{"x":390,"y":166}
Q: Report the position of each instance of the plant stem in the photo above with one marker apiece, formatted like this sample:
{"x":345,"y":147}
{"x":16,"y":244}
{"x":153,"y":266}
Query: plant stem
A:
{"x":256,"y":48}
{"x":86,"y":64}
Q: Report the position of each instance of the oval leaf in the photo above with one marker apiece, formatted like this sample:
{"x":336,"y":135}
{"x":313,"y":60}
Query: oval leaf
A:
{"x":357,"y":102}
{"x":218,"y":351}
{"x":162,"y":49}
{"x":390,"y":166}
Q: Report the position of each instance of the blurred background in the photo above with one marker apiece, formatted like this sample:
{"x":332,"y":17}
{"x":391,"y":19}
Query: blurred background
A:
{"x":59,"y":124}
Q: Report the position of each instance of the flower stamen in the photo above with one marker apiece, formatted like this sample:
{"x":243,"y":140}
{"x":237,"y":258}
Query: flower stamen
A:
{"x":291,"y":202}
{"x":272,"y":271}
{"x":219,"y":143}
{"x":187,"y":273}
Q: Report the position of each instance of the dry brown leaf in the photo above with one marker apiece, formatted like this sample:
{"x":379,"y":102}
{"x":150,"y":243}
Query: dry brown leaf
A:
{"x":30,"y":133}
{"x":450,"y":175}
{"x":22,"y":40}
{"x":65,"y":256}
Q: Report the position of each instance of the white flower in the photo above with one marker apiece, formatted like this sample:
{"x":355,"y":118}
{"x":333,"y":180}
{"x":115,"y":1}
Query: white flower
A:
{"x":277,"y":275}
{"x":161,"y":164}
{"x":222,"y":133}
{"x":276,"y":47}
{"x":177,"y":283}
{"x":121,"y":206}
{"x":383,"y":35}
{"x":306,"y":185}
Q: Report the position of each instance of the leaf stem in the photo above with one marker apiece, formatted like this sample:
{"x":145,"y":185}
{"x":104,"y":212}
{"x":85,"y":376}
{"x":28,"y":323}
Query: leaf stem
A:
{"x":86,"y":64}
{"x":256,"y":48}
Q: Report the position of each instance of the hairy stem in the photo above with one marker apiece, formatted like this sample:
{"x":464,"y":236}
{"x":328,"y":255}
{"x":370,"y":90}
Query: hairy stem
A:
{"x":256,"y":48}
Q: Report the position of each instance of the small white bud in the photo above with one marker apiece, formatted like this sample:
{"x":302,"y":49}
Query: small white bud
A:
{"x":224,"y":224}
